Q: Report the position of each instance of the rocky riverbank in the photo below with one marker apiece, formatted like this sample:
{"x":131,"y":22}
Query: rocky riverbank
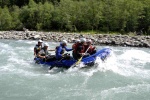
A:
{"x":98,"y":39}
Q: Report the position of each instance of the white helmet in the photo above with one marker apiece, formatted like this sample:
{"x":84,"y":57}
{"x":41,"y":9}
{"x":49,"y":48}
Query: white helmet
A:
{"x":40,"y":41}
{"x":83,"y":39}
{"x":64,"y":41}
{"x":89,"y":40}
{"x":77,"y":40}
{"x":46,"y":44}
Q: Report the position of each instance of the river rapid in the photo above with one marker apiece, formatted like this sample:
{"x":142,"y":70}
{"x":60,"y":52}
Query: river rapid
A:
{"x":125,"y":75}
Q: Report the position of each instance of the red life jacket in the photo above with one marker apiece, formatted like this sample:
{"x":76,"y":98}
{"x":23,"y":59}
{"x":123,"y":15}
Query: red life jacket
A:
{"x":90,"y":50}
{"x":74,"y":47}
{"x":83,"y":49}
{"x":86,"y":47}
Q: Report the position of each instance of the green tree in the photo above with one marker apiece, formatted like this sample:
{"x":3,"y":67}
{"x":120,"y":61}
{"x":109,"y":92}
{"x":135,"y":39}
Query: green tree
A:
{"x":16,"y":23}
{"x":5,"y":19}
{"x":144,"y":20}
{"x":135,"y":9}
{"x":4,"y":3}
{"x":29,"y":14}
{"x":62,"y":15}
{"x":76,"y":15}
{"x":45,"y":14}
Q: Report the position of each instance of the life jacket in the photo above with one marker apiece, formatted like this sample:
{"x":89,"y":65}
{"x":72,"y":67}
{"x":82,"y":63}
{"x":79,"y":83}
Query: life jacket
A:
{"x":91,"y":49}
{"x":37,"y":48}
{"x":86,"y":47}
{"x":74,"y":47}
{"x":43,"y":52}
{"x":81,"y":48}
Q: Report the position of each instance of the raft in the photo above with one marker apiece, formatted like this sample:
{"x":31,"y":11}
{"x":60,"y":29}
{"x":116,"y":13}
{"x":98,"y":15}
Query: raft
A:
{"x":90,"y":60}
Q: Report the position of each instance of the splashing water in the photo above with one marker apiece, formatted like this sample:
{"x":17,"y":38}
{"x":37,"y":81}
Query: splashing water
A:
{"x":124,"y":75}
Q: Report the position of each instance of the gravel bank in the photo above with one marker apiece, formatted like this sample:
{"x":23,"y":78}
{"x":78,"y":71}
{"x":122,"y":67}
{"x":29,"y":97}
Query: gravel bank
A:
{"x":99,"y":39}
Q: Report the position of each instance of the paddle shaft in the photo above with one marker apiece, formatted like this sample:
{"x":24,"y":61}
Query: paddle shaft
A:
{"x":82,"y":56}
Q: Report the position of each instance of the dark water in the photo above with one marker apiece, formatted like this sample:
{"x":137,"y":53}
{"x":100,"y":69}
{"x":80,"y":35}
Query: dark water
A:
{"x":125,"y":75}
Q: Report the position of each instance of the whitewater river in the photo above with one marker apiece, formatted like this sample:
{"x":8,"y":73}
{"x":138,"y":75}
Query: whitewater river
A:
{"x":125,"y":75}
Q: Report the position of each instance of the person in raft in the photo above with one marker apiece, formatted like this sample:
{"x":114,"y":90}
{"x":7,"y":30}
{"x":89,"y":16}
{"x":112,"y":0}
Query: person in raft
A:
{"x":74,"y":47}
{"x":38,"y":47}
{"x":60,"y":51}
{"x":80,"y":49}
{"x":91,"y":49}
{"x":44,"y":54}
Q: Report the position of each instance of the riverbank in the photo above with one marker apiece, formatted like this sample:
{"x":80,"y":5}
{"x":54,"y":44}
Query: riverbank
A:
{"x":98,"y":39}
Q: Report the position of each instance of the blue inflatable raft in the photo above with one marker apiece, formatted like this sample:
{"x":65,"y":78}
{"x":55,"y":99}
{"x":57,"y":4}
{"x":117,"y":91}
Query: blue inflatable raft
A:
{"x":90,"y":60}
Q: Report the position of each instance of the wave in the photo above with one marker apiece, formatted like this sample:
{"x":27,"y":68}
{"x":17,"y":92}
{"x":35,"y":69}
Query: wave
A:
{"x":123,"y":61}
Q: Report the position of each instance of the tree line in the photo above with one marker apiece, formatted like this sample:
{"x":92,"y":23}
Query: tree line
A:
{"x":76,"y":15}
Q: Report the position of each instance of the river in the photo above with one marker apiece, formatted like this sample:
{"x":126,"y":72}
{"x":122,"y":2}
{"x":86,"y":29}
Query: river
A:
{"x":125,"y":75}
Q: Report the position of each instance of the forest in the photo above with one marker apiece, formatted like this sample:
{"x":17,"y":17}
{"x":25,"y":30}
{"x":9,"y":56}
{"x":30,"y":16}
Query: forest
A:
{"x":122,"y":16}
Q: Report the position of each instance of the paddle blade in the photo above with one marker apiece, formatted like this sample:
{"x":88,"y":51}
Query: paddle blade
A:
{"x":78,"y":61}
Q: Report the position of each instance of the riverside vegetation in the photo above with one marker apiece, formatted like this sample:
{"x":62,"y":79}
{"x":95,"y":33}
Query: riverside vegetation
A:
{"x":122,"y":16}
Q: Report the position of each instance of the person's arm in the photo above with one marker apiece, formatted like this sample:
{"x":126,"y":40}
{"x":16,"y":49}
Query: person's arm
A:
{"x":94,"y":48}
{"x":67,"y":49}
{"x":51,"y":50}
{"x":39,"y":55}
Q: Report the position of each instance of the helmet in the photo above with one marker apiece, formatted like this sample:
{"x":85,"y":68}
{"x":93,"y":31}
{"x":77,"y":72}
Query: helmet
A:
{"x":64,"y":42}
{"x":46,"y":44}
{"x":40,"y":41}
{"x":89,"y":40}
{"x":77,"y":40}
{"x":83,"y":40}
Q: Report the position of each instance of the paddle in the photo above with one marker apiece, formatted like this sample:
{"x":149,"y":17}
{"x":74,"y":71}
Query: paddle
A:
{"x":79,"y":60}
